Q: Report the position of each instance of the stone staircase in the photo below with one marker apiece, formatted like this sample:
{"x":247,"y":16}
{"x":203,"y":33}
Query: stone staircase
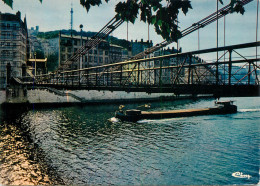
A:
{"x":61,"y":93}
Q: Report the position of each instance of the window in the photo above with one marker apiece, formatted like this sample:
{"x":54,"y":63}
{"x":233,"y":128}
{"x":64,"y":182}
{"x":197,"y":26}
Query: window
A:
{"x":3,"y":25}
{"x":100,"y":52}
{"x":106,"y":53}
{"x":100,"y":60}
{"x":75,"y":42}
{"x":95,"y":51}
{"x":106,"y":60}
{"x":8,"y":26}
{"x":95,"y":59}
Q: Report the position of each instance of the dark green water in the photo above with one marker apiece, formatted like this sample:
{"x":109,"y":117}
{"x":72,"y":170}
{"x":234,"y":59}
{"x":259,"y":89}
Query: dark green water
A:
{"x":77,"y":145}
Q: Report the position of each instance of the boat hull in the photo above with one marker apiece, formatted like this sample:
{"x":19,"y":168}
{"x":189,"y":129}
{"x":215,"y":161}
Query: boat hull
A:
{"x":136,"y":115}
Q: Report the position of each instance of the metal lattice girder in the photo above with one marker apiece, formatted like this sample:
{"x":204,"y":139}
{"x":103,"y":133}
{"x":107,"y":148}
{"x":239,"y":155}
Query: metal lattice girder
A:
{"x":138,"y":73}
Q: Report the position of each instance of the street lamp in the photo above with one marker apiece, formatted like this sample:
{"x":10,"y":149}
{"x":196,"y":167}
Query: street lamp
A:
{"x":80,"y":60}
{"x":34,"y":63}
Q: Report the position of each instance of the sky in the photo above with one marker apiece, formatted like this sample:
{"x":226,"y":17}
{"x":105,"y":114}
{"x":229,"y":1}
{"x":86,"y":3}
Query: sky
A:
{"x":55,"y":15}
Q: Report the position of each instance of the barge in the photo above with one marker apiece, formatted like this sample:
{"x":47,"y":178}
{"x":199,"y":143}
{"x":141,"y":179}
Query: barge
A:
{"x":133,"y":115}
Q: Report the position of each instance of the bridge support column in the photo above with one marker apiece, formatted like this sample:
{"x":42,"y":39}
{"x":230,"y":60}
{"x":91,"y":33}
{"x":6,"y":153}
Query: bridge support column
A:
{"x":72,"y":77}
{"x":160,"y":74}
{"x":138,"y":73}
{"x":230,"y":67}
{"x":249,"y":73}
{"x":107,"y":76}
{"x":121,"y":72}
{"x":189,"y":70}
{"x":16,"y":94}
{"x":79,"y":78}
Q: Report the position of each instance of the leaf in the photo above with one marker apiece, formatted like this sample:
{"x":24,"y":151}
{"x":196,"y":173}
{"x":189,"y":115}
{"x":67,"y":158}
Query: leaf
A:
{"x":88,"y":3}
{"x":185,"y":6}
{"x":159,"y":22}
{"x":239,"y":8}
{"x":9,"y":3}
{"x":232,"y":3}
{"x":127,"y":11}
{"x":153,"y":21}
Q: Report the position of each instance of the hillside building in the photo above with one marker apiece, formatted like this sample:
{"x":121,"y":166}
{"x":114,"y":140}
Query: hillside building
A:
{"x":103,"y":53}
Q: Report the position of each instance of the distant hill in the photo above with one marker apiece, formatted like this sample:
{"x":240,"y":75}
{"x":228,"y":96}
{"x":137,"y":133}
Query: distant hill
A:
{"x":111,"y":39}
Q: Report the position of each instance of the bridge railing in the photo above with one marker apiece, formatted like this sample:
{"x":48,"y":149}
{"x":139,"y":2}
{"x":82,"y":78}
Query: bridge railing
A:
{"x":165,"y":71}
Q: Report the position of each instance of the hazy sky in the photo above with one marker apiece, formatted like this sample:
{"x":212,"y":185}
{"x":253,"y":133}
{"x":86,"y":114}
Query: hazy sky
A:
{"x":55,"y":15}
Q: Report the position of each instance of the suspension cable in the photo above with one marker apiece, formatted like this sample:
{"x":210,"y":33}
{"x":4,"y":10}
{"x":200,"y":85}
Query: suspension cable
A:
{"x":257,"y":15}
{"x":200,"y":24}
{"x":256,"y":36}
{"x":217,"y":47}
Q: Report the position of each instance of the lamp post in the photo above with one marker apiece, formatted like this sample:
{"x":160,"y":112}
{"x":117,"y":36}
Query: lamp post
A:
{"x":35,"y":64}
{"x":81,"y":55}
{"x":81,"y":44}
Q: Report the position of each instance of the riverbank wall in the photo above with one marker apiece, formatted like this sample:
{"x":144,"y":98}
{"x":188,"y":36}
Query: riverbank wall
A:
{"x":55,"y":98}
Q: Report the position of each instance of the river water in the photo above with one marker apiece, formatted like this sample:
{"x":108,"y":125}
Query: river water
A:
{"x":77,"y":145}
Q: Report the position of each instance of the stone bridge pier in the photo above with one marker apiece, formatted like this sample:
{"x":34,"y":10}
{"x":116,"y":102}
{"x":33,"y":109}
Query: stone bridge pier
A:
{"x":14,"y":92}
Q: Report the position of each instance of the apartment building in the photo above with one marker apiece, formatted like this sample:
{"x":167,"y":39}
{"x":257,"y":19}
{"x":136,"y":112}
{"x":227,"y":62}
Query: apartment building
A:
{"x":103,"y":53}
{"x":13,"y":45}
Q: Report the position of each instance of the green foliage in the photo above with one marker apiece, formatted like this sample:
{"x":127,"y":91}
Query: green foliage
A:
{"x":120,"y":42}
{"x":164,"y":18}
{"x":155,"y":12}
{"x":127,"y":11}
{"x":52,"y":62}
{"x":238,"y":8}
{"x":55,"y":34}
{"x":88,"y":3}
{"x":40,"y":54}
{"x":48,"y":35}
{"x":10,"y":2}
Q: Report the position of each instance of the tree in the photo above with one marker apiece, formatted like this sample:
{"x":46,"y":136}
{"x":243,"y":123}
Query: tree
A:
{"x":39,"y":54}
{"x":10,"y":2}
{"x":52,"y":62}
{"x":163,"y":14}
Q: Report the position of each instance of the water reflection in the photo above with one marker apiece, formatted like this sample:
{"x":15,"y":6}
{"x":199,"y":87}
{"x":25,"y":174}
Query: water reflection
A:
{"x":21,"y":162}
{"x":77,"y":145}
{"x":84,"y":148}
